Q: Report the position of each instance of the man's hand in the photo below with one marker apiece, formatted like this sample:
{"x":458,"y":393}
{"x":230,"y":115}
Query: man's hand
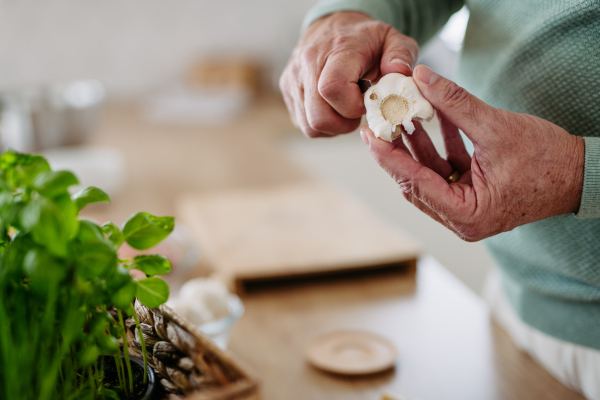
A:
{"x":524,"y":168}
{"x":320,"y":82}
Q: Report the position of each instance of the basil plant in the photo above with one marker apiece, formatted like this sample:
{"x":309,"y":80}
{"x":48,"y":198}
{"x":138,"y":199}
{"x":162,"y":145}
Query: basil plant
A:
{"x":63,"y":290}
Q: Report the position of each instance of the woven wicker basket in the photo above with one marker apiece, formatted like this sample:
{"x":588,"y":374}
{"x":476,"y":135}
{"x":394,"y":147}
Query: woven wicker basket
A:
{"x":188,"y":364}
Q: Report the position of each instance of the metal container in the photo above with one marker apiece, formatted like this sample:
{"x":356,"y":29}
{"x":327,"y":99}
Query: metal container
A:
{"x":62,"y":114}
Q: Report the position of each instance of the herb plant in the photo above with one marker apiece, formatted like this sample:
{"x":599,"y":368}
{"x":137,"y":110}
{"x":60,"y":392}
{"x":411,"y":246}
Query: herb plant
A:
{"x":63,"y":289}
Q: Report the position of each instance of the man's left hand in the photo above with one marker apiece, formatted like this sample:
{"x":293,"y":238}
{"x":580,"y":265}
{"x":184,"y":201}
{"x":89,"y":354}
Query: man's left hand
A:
{"x":523,"y":169}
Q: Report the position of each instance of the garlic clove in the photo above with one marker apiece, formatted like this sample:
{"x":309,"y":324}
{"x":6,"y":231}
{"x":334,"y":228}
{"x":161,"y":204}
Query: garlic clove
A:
{"x":395,"y":100}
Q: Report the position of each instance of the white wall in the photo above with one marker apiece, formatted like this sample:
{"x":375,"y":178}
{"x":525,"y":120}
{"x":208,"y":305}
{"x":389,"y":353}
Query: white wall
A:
{"x":134,"y":45}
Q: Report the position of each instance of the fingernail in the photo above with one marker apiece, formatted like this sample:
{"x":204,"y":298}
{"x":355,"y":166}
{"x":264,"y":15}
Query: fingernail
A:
{"x":425,"y":75}
{"x":399,"y":61}
{"x":364,"y":137}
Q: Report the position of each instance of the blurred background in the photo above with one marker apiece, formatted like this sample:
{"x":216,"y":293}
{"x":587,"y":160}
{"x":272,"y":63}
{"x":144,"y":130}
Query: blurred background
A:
{"x":153,"y":99}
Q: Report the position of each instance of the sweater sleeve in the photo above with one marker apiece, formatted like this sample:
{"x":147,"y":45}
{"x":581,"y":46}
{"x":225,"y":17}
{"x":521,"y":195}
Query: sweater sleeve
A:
{"x":590,"y":197}
{"x":419,"y":19}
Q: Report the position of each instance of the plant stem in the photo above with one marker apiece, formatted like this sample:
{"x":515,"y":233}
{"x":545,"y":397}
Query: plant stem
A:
{"x":144,"y":355}
{"x":126,"y":350}
{"x":92,"y":382}
{"x":120,"y":371}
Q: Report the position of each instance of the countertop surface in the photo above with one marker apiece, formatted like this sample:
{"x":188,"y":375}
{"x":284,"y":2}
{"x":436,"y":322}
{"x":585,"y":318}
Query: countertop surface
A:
{"x":448,"y":347}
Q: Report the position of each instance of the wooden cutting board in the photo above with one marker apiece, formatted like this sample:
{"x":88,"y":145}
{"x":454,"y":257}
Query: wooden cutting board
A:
{"x":286,"y":232}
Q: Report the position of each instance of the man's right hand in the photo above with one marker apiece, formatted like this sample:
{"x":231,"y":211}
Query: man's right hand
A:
{"x":320,"y":82}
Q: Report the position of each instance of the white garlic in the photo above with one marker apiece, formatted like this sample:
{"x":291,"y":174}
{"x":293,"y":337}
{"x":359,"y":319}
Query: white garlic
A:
{"x":201,"y":300}
{"x":395,"y":100}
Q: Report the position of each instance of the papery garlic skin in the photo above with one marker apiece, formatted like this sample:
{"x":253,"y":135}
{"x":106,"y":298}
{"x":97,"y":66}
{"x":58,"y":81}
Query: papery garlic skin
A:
{"x":395,"y":100}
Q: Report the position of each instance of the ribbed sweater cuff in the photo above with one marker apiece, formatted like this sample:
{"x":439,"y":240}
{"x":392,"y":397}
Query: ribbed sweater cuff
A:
{"x":379,"y":10}
{"x":590,"y":197}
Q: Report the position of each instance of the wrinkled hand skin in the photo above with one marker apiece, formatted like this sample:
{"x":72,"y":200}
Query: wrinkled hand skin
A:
{"x":320,"y":81}
{"x":524,"y":168}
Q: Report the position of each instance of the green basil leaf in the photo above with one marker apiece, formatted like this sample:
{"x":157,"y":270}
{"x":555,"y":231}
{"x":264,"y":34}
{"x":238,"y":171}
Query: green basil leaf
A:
{"x":123,"y":296}
{"x":97,"y":325}
{"x":67,"y":214}
{"x":96,"y":292}
{"x":8,"y":208}
{"x":89,"y":231}
{"x":54,"y":183}
{"x":47,"y":224}
{"x":30,"y":214}
{"x":3,"y":185}
{"x":14,"y":255}
{"x":152,"y":292}
{"x":89,"y":195}
{"x":111,"y":394}
{"x":114,"y":233}
{"x":43,"y":270}
{"x":152,"y":264}
{"x":20,"y":170}
{"x":143,"y":230}
{"x":118,"y":278}
{"x":108,"y":344}
{"x":88,"y":356}
{"x":95,"y":259}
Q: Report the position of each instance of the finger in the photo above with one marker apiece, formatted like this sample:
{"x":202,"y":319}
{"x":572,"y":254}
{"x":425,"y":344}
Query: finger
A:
{"x":398,"y":142}
{"x":338,"y":84}
{"x":293,"y":95}
{"x":321,"y":117}
{"x":412,"y":177}
{"x":399,"y":53}
{"x":289,"y":103}
{"x":300,"y":116}
{"x":286,"y":91}
{"x":424,"y":151}
{"x":456,"y":151}
{"x":466,"y":178}
{"x":462,"y":109}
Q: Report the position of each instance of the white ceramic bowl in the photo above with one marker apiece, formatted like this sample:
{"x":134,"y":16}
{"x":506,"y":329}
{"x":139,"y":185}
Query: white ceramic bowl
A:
{"x":220,"y":330}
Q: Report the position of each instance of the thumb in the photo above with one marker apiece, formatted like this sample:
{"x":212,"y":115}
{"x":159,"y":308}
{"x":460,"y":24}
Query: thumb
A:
{"x":399,"y":53}
{"x":461,"y":108}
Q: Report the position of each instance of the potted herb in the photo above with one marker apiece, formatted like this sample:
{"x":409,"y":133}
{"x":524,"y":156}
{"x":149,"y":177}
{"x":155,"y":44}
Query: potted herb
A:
{"x":64,"y":293}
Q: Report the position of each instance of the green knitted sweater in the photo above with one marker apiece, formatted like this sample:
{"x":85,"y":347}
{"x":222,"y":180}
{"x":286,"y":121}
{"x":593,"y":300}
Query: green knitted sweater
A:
{"x":539,"y":57}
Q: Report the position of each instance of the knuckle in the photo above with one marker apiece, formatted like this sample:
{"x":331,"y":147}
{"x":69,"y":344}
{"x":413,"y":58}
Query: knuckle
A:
{"x":407,"y":186}
{"x":309,"y":54}
{"x":283,"y":83}
{"x":455,"y":96}
{"x":311,"y":133}
{"x":319,"y":125}
{"x":342,"y":40}
{"x":409,"y":183}
{"x":345,"y":39}
{"x":404,"y":54}
{"x":330,"y":88}
{"x":324,"y":121}
{"x":411,"y":43}
{"x":377,"y":28}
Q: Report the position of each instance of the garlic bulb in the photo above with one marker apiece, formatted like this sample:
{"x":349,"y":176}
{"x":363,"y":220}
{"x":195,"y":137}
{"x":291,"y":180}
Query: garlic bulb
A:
{"x":395,"y":100}
{"x":201,"y":300}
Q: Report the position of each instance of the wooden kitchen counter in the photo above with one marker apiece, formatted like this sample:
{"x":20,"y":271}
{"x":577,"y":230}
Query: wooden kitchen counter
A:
{"x":448,"y":348}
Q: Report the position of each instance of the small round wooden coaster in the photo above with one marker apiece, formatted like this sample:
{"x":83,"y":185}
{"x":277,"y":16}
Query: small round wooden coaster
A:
{"x":351,"y":352}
